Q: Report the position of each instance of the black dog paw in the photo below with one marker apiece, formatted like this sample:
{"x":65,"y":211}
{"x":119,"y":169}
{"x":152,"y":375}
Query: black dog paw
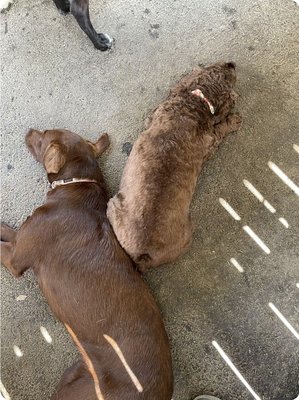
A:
{"x":63,"y":12}
{"x":103,"y":42}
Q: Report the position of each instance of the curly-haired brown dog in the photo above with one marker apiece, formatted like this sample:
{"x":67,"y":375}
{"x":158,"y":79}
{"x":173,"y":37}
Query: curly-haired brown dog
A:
{"x":88,"y":280}
{"x":150,"y":214}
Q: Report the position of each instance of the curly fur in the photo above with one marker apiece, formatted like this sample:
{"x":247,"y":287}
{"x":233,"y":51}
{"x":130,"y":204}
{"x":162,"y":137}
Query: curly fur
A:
{"x":150,"y":213}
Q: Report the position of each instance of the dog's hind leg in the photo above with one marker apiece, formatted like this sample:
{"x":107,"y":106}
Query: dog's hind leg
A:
{"x":63,"y":5}
{"x":80,"y":10}
{"x":75,"y":384}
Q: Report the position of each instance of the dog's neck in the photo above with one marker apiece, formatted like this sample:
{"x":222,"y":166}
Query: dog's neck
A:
{"x":197,"y":92}
{"x":62,"y":182}
{"x":79,"y":184}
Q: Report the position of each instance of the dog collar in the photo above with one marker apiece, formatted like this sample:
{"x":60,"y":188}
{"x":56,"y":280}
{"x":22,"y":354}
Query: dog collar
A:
{"x":199,"y":93}
{"x":62,"y":182}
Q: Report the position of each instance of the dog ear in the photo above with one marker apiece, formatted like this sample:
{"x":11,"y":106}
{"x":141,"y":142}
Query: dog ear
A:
{"x":33,"y":141}
{"x":100,"y":145}
{"x":53,"y":159}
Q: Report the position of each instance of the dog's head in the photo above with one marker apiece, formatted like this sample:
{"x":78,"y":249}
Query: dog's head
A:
{"x":216,"y":82}
{"x":61,"y":149}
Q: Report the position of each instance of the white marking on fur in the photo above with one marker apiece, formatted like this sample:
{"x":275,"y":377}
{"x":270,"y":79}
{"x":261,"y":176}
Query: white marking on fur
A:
{"x":118,"y":351}
{"x":4,"y":4}
{"x":4,"y":392}
{"x":296,"y":148}
{"x":297,"y":284}
{"x":18,"y":352}
{"x":229,"y":209}
{"x":46,"y":334}
{"x":257,"y":240}
{"x":284,"y":222}
{"x":284,"y":320}
{"x":284,"y":177}
{"x":88,"y":363}
{"x":237,"y":265}
{"x":235,"y":370}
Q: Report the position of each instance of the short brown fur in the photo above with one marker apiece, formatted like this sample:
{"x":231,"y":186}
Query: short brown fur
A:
{"x":150,"y":213}
{"x":87,"y":279}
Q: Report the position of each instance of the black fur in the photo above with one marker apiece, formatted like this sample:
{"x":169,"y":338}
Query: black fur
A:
{"x":80,"y":10}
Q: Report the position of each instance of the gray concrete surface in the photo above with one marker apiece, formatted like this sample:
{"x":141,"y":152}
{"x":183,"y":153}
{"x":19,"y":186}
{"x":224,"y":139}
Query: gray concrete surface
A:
{"x":51,"y":76}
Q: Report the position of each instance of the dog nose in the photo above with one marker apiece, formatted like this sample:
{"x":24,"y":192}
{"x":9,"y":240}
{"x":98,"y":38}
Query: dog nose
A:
{"x":231,"y":64}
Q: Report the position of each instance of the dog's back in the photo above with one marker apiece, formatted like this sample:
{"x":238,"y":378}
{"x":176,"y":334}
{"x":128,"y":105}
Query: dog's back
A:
{"x":88,"y":280}
{"x":150,"y":213}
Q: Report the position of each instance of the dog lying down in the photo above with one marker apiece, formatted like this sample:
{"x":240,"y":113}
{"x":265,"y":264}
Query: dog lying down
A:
{"x":89,"y":282}
{"x":150,"y":213}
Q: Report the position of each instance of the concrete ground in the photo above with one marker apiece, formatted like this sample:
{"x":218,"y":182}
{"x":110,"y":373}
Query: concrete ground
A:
{"x":53,"y":77}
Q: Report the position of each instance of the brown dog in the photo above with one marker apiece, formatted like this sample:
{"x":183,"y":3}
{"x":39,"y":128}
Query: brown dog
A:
{"x":88,"y":280}
{"x":150,"y":214}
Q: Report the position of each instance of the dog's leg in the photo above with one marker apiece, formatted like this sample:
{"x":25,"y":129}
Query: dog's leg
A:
{"x":80,"y":10}
{"x":7,"y":233}
{"x":75,"y":384}
{"x":7,"y":251}
{"x":63,"y":5}
{"x":232,"y":123}
{"x":9,"y":255}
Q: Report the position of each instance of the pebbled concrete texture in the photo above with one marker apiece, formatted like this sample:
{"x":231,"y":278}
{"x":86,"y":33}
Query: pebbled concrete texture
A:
{"x":51,"y":76}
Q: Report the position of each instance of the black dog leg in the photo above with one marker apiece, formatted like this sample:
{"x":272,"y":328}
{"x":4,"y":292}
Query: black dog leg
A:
{"x":80,"y":10}
{"x":63,"y":5}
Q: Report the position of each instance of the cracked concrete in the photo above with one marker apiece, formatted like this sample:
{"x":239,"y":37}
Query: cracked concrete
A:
{"x":51,"y":76}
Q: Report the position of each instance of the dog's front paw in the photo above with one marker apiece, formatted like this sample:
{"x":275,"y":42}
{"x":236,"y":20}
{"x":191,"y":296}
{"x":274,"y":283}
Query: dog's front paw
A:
{"x":103,"y":42}
{"x":234,"y":121}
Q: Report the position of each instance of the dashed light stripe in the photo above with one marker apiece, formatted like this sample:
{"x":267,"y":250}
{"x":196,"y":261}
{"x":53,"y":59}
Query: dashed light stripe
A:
{"x":235,"y":370}
{"x":269,"y":207}
{"x":4,"y":392}
{"x":237,"y":265}
{"x":266,"y":203}
{"x":258,"y":195}
{"x":253,"y":190}
{"x":296,"y":148}
{"x":229,"y":209}
{"x":18,"y":352}
{"x":284,"y":177}
{"x":284,"y":320}
{"x":257,"y":240}
{"x":284,"y":222}
{"x":46,"y":334}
